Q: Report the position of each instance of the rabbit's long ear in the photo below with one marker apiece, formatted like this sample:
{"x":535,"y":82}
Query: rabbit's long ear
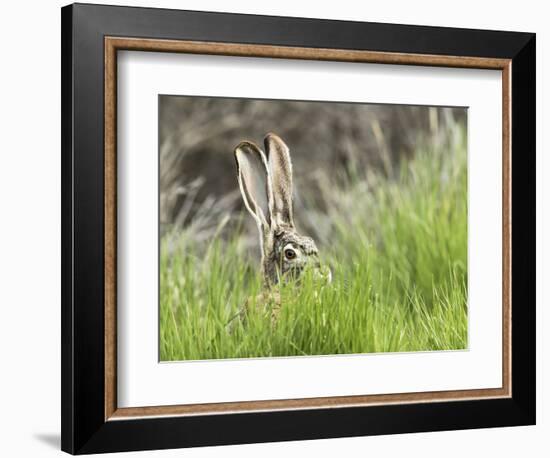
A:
{"x":280,"y":167}
{"x":253,"y":177}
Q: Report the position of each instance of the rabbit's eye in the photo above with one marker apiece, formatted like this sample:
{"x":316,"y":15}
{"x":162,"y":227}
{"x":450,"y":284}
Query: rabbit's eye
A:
{"x":290,"y":253}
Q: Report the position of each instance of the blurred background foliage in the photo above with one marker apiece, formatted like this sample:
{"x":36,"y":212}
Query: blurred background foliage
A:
{"x":328,"y":143}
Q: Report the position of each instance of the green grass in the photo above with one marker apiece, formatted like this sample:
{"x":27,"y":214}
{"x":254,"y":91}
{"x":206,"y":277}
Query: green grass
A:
{"x":398,"y":252}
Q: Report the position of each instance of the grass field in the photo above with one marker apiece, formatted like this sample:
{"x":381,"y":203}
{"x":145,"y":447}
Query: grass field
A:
{"x":398,"y":252}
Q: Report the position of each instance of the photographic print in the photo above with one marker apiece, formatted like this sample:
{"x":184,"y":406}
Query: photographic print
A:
{"x":300,"y":228}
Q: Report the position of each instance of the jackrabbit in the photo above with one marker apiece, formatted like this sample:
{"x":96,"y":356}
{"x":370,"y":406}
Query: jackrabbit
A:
{"x":266,"y":188}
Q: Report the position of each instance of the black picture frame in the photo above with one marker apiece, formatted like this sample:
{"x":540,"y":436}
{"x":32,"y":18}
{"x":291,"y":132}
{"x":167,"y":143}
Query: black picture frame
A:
{"x":84,"y":428}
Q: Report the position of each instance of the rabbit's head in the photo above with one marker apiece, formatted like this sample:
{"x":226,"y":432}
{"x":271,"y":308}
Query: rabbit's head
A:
{"x":266,"y":187}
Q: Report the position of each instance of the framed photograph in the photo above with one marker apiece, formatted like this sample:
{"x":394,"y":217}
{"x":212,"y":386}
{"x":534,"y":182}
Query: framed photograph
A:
{"x":284,"y":228}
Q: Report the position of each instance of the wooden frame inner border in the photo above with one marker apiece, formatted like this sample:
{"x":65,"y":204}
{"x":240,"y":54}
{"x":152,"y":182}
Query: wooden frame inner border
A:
{"x":112,"y":45}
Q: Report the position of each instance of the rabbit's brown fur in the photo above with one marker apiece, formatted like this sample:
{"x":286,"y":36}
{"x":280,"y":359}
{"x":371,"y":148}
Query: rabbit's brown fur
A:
{"x":266,"y":187}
